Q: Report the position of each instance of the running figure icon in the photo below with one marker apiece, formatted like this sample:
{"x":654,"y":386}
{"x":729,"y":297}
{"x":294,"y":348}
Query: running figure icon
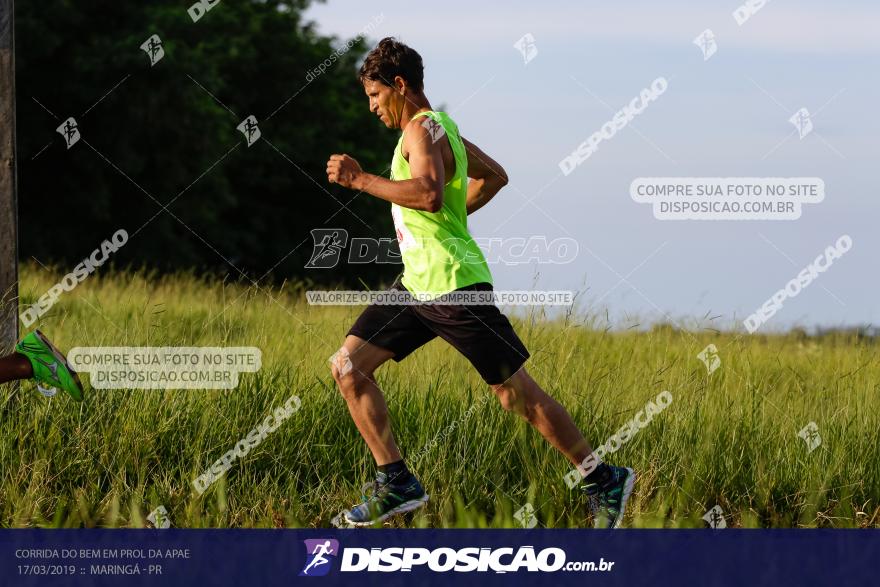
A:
{"x":318,"y":553}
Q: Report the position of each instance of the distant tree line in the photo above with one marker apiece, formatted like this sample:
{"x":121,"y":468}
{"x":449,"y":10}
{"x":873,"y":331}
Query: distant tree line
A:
{"x":166,"y":135}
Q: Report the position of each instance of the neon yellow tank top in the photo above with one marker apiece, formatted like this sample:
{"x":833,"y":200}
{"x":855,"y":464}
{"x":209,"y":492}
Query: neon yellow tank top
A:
{"x":439,"y":255}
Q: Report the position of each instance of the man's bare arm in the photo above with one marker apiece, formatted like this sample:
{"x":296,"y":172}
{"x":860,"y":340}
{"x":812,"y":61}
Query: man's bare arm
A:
{"x":487,"y":177}
{"x":423,"y":192}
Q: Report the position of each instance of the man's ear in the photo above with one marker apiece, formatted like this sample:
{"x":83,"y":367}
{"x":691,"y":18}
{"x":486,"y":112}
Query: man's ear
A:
{"x":400,"y":84}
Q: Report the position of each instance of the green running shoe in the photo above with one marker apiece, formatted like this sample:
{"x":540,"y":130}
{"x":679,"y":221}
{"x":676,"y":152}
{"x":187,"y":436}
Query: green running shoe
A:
{"x":382,"y":500}
{"x":608,"y":501}
{"x":50,"y":366}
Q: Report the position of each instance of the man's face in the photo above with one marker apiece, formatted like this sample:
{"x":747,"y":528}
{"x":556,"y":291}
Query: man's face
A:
{"x":385,"y":102}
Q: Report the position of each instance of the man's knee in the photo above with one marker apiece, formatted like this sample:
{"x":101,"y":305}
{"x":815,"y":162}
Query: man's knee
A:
{"x":514,"y":399}
{"x":521,"y":395}
{"x":349,"y":378}
{"x":340,"y":364}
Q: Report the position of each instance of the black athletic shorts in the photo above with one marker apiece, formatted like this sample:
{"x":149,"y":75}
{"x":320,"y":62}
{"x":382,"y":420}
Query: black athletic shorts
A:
{"x":480,"y":332}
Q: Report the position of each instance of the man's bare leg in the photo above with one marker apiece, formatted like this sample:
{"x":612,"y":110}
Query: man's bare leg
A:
{"x":396,"y":489}
{"x":353,"y":369}
{"x":610,"y":487}
{"x":15,"y":366}
{"x":523,"y":396}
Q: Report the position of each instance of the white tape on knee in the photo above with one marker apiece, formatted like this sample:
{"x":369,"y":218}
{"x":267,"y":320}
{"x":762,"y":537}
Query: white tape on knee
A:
{"x":342,"y":361}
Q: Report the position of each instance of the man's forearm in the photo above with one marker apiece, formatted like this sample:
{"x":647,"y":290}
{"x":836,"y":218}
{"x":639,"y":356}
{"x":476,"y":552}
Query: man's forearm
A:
{"x":417,"y":194}
{"x":480,"y":191}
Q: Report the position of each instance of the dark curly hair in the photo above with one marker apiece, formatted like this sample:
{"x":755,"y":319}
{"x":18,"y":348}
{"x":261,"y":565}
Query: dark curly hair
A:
{"x":391,"y":58}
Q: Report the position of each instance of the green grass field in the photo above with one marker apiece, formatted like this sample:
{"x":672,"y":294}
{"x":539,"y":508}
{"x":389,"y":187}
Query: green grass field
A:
{"x":728,"y":439}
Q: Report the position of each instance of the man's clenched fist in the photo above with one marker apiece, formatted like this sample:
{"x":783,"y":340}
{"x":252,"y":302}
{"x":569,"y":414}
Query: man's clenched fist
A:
{"x":343,"y":170}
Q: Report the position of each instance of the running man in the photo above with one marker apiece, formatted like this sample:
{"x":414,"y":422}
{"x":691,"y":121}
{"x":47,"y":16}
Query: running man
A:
{"x":430,"y":199}
{"x":319,"y":559}
{"x":37,"y":358}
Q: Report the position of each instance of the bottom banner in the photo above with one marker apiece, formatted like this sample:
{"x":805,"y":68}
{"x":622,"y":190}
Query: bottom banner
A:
{"x":266,"y":558}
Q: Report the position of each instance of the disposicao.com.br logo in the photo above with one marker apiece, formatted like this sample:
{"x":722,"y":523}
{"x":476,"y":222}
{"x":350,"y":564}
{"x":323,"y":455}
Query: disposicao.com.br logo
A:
{"x":441,"y":560}
{"x":317,"y":552}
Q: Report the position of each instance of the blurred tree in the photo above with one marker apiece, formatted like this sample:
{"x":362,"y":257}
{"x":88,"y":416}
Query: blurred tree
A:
{"x":165,"y":135}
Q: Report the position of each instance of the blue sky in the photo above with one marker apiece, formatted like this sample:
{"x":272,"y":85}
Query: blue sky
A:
{"x":725,"y":117}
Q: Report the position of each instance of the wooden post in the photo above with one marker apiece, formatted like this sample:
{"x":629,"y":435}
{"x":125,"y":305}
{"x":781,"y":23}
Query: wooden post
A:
{"x":8,"y":205}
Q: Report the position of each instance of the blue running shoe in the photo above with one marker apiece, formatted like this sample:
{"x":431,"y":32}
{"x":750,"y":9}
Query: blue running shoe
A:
{"x":382,"y":500}
{"x":608,"y":500}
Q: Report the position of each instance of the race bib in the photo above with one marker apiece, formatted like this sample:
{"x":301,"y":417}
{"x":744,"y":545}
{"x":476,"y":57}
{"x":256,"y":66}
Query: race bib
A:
{"x":405,"y":238}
